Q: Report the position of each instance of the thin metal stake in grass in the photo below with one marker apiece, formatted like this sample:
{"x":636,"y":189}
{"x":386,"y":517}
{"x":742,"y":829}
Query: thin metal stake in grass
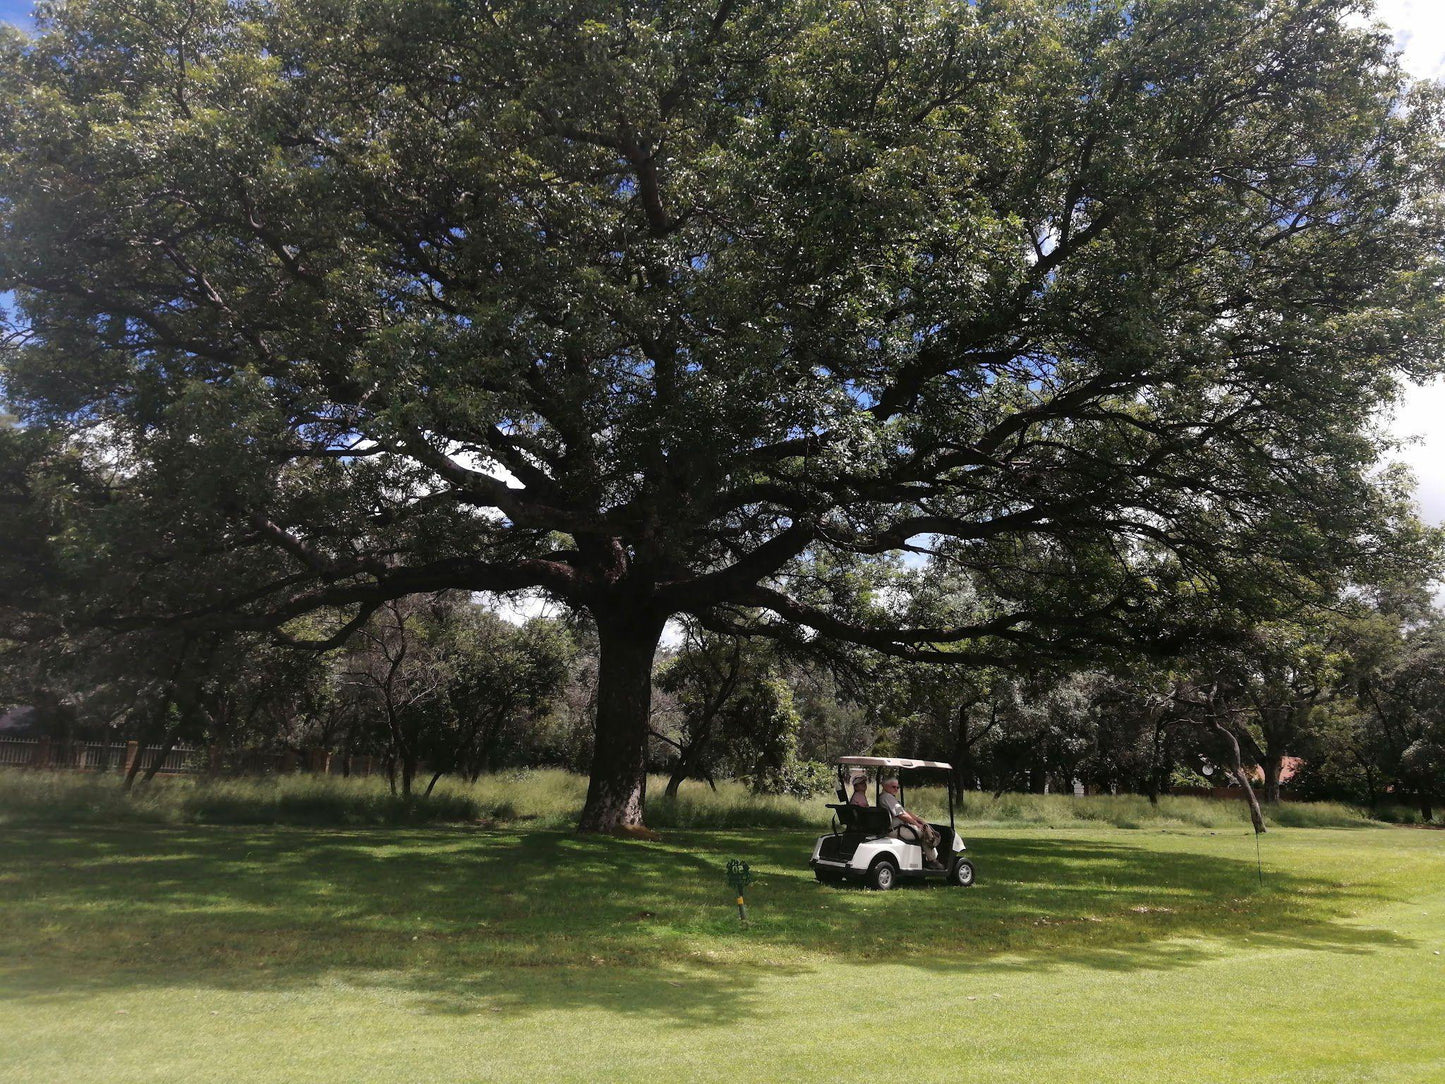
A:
{"x":1258,"y":861}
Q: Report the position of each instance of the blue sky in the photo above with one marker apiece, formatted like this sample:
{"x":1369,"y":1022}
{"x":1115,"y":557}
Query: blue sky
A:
{"x":15,"y":11}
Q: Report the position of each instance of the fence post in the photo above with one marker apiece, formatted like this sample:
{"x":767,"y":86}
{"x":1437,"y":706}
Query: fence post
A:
{"x":42,"y":754}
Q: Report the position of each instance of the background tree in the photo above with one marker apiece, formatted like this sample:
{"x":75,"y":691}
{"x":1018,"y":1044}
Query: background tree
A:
{"x":397,"y":667}
{"x":659,"y":309}
{"x":734,"y":713}
{"x":955,"y":711}
{"x":502,"y":677}
{"x":1402,"y":721}
{"x":701,"y":679}
{"x":1287,"y":672}
{"x":1213,"y":708}
{"x":837,"y":712}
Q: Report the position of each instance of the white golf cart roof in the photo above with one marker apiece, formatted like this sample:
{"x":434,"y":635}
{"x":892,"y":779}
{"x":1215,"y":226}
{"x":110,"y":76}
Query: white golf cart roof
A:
{"x":893,"y":762}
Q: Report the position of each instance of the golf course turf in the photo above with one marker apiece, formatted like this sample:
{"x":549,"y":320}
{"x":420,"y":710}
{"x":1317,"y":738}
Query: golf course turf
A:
{"x":222,"y":953}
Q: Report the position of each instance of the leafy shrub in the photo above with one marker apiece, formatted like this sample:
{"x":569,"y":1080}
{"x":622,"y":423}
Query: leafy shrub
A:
{"x":800,"y":779}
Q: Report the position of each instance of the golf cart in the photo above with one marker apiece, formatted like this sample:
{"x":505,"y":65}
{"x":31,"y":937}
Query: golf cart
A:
{"x":860,"y":847}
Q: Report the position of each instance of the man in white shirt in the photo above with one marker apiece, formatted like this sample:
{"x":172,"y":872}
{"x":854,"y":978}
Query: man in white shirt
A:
{"x":909,"y":828}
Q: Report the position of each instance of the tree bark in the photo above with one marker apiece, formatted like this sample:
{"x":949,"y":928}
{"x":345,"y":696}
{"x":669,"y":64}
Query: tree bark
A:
{"x":1273,"y":765}
{"x":617,"y":791}
{"x":408,"y":773}
{"x":689,"y":760}
{"x":680,"y":771}
{"x":167,"y":744}
{"x":134,"y":770}
{"x":965,"y":771}
{"x":1231,"y":743}
{"x":167,"y":740}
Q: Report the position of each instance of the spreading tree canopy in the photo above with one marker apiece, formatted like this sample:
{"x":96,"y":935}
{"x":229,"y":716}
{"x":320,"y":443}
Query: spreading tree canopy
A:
{"x":672,"y":307}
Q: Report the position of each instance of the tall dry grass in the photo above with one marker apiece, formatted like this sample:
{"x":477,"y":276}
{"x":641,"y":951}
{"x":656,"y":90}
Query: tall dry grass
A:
{"x":550,"y":798}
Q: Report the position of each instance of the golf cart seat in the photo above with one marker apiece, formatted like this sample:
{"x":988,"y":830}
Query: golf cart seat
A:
{"x":869,"y":820}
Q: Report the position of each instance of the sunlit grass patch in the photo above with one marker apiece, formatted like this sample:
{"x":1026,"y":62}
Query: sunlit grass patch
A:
{"x":512,"y":953}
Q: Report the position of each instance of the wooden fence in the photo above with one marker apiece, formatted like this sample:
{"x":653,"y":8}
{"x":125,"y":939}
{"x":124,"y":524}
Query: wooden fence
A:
{"x":98,"y":756}
{"x":181,"y":760}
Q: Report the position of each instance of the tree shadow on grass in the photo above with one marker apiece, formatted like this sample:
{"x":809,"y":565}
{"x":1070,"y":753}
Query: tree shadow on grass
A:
{"x":509,"y":922}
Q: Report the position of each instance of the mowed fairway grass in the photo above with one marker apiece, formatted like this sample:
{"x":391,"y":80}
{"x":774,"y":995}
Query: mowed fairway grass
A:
{"x":165,"y":953}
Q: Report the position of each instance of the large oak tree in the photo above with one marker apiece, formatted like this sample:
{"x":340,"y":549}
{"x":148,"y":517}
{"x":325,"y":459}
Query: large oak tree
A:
{"x":674,"y":307}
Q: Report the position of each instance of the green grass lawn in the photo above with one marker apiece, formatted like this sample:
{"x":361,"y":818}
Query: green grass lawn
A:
{"x":227,"y":953}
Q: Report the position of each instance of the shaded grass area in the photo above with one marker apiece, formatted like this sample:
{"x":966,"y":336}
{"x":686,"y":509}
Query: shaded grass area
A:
{"x":553,"y":799}
{"x":556,"y":956}
{"x":312,"y":901}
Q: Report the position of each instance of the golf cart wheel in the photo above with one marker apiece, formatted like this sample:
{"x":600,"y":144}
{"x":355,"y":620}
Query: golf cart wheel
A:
{"x":883,"y":875}
{"x":961,"y":874}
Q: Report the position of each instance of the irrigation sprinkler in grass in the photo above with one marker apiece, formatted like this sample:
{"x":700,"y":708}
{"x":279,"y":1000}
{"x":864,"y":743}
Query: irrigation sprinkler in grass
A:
{"x":740,"y":875}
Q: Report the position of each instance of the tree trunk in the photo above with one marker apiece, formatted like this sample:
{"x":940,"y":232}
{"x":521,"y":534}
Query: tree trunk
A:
{"x":617,"y":791}
{"x":1231,"y":743}
{"x":408,"y":773}
{"x":167,"y":744}
{"x":134,"y":770}
{"x":492,"y":746}
{"x":680,"y":771}
{"x":1151,"y":773}
{"x":1273,"y":765}
{"x":148,"y":735}
{"x":965,"y":767}
{"x":689,"y":758}
{"x":433,"y":783}
{"x":173,"y":736}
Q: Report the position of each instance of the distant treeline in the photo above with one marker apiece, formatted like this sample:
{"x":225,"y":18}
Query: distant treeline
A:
{"x":435,"y":686}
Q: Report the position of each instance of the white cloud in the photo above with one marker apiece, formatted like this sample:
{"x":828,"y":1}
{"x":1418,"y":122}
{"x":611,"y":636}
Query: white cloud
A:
{"x":1419,"y":27}
{"x":519,"y":607}
{"x":1421,"y":418}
